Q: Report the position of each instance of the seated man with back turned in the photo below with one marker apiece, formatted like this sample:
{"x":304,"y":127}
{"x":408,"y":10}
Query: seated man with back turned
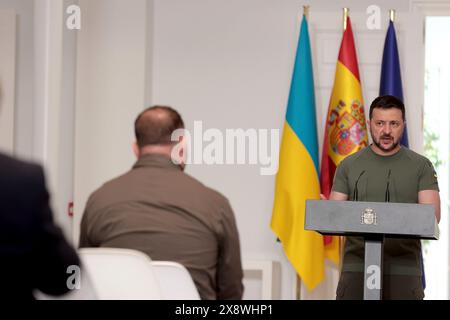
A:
{"x":158,"y":209}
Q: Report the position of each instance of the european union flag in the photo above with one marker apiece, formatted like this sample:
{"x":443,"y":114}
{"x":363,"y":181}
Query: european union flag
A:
{"x":391,"y":79}
{"x":391,"y":84}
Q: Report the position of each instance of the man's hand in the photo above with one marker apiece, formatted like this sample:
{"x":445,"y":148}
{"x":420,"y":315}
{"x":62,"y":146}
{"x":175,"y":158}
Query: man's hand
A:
{"x":336,"y":196}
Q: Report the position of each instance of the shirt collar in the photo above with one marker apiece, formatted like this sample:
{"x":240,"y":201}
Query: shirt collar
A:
{"x":156,"y":161}
{"x":391,"y":156}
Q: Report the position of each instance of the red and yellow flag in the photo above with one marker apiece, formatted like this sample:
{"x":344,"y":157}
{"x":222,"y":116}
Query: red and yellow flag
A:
{"x":345,"y":129}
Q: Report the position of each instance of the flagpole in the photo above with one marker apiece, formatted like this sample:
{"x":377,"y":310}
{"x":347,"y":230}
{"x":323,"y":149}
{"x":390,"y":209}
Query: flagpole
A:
{"x":392,"y":15}
{"x":345,"y":18}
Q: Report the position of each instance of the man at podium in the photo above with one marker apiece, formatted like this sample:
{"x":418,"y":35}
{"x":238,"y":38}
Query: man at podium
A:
{"x":385,"y":171}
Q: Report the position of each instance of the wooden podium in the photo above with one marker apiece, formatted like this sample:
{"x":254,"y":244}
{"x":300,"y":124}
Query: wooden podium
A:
{"x":372,"y":221}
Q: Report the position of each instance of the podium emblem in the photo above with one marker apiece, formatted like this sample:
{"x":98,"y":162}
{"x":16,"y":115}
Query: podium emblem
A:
{"x":369,"y":217}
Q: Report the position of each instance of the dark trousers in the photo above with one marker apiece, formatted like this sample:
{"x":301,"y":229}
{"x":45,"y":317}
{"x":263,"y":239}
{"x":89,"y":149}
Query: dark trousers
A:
{"x":395,"y":287}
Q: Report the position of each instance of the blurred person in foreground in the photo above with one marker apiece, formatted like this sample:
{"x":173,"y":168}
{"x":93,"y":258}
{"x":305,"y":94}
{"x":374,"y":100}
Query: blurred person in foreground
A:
{"x":33,"y":251}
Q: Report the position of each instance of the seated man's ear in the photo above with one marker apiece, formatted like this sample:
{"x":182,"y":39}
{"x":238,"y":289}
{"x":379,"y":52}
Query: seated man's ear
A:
{"x":178,"y":154}
{"x":136,"y":150}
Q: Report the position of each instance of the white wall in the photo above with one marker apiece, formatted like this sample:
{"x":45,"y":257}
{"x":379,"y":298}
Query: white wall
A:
{"x":227,"y":63}
{"x":66,"y":151}
{"x":7,"y":79}
{"x":111,"y":83}
{"x":23,"y":128}
{"x":31,"y":124}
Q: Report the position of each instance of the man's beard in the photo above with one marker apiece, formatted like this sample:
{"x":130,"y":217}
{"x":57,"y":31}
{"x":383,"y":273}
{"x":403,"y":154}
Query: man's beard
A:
{"x":380,"y":146}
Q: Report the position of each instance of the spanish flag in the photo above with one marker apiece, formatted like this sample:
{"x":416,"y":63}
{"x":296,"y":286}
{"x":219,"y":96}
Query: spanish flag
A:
{"x":345,"y":129}
{"x":297,"y":178}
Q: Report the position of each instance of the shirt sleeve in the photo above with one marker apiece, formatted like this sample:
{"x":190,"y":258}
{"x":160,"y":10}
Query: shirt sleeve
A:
{"x":340,"y":181}
{"x":428,"y":177}
{"x":229,"y":272}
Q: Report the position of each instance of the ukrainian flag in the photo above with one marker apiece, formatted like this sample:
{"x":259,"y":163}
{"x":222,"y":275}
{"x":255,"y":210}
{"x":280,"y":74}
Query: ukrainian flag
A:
{"x":298,"y":175}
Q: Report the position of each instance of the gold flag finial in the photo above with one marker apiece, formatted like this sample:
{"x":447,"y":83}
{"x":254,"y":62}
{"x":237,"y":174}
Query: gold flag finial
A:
{"x":306,"y":12}
{"x":345,"y":18}
{"x":392,"y":15}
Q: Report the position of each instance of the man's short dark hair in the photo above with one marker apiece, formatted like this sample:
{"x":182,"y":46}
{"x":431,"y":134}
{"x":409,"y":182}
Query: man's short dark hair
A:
{"x":155,"y":125}
{"x":387,"y":102}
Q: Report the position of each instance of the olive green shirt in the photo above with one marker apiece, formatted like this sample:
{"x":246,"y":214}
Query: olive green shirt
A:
{"x":158,"y":209}
{"x":399,"y":178}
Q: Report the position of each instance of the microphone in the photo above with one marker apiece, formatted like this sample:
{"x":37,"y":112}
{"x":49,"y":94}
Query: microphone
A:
{"x":355,"y":189}
{"x":387,"y":196}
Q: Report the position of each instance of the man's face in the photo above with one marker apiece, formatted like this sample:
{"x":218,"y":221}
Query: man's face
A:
{"x":386,"y":128}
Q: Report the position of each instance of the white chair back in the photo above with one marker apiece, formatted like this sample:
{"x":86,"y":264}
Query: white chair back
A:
{"x":120,"y":274}
{"x":175,"y":281}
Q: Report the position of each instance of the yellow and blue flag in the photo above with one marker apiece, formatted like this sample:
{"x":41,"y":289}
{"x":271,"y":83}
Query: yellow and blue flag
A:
{"x":298,"y":174}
